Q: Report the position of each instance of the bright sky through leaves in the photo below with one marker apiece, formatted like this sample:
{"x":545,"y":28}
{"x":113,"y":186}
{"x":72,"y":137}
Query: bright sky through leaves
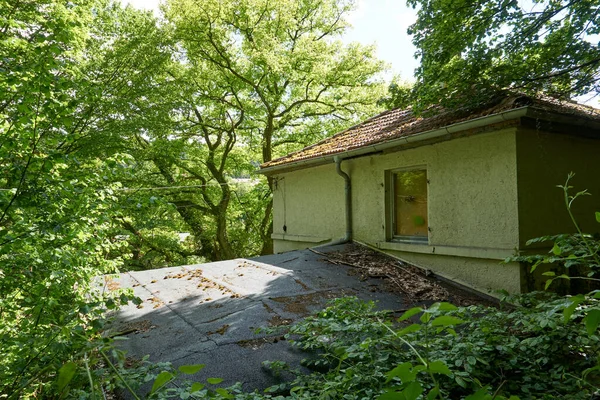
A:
{"x":384,"y":23}
{"x":380,"y":22}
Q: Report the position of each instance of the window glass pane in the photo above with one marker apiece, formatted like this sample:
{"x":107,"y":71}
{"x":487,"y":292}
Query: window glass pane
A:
{"x":410,"y":203}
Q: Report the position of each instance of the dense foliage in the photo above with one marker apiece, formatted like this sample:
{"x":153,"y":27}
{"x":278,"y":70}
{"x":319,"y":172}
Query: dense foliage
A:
{"x":121,"y":133}
{"x":535,"y":347}
{"x":469,"y":49}
{"x":260,"y":78}
{"x":55,"y":204}
{"x":528,"y":350}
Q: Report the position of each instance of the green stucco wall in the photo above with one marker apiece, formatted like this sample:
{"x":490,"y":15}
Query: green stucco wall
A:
{"x":472,"y":207}
{"x":472,"y":191}
{"x":543,"y":161}
{"x":309,"y":203}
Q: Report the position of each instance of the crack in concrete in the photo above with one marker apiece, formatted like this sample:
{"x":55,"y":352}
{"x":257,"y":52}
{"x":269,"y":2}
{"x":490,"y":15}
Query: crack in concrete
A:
{"x":232,"y":313}
{"x":165,"y":304}
{"x":196,"y":352}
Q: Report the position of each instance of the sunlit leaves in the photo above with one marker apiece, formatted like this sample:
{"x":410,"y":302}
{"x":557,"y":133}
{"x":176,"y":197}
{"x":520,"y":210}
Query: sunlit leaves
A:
{"x":247,"y":81}
{"x":57,"y":193}
{"x":592,"y":320}
{"x":191,"y":369}
{"x":161,"y":380}
{"x":469,"y":50}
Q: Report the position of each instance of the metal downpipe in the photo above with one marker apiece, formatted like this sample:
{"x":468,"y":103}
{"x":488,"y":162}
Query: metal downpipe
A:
{"x":348,"y":203}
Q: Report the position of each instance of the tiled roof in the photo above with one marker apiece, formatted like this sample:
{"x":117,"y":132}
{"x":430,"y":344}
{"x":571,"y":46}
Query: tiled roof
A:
{"x":398,"y":123}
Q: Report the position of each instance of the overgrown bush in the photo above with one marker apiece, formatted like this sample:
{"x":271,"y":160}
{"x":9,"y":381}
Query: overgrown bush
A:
{"x":54,"y":242}
{"x":529,"y":350}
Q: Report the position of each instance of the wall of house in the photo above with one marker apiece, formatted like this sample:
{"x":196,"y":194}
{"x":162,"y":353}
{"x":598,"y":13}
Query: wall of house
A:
{"x":543,"y":161}
{"x":472,"y":207}
{"x":308,"y":208}
{"x":471,"y":194}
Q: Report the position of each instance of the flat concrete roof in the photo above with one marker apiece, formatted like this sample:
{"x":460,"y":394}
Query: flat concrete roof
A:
{"x":208,"y":313}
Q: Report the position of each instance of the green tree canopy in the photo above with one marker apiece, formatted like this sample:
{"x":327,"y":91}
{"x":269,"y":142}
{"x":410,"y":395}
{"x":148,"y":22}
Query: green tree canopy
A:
{"x":470,"y":48}
{"x":66,"y":70}
{"x":250,"y":80}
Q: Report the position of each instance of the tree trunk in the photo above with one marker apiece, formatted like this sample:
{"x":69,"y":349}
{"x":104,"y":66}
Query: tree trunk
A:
{"x":225,"y":251}
{"x":266,"y":226}
{"x":205,"y":246}
{"x":267,"y":229}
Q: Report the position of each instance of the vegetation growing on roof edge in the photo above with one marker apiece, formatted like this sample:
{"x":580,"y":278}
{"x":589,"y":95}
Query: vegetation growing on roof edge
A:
{"x":535,"y":347}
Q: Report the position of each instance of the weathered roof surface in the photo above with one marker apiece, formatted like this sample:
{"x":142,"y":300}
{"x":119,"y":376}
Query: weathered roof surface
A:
{"x":398,"y":123}
{"x":208,"y":313}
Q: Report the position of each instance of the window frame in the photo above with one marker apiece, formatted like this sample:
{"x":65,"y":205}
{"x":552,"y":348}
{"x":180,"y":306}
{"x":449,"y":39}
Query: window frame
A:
{"x":390,"y":207}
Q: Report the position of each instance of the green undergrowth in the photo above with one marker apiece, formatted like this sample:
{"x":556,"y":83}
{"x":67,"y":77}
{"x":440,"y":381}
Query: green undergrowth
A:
{"x":531,"y":349}
{"x":536,"y":347}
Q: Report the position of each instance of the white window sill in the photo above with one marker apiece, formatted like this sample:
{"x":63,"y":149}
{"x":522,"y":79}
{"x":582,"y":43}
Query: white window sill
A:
{"x":425,"y":248}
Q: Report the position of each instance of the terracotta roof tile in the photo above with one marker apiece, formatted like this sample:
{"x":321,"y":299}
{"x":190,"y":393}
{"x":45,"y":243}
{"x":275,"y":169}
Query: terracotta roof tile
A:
{"x":400,"y":123}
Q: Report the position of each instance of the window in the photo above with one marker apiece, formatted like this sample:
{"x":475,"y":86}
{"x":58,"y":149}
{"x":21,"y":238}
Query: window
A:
{"x":408,"y":205}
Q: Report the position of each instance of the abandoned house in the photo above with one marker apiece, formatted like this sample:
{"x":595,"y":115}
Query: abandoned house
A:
{"x":456,"y":192}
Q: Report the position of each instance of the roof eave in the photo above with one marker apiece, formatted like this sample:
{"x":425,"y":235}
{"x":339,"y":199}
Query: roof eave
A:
{"x":422,"y":136}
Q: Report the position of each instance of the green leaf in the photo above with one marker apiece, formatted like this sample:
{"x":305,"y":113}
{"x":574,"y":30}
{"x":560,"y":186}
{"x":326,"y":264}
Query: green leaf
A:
{"x":409,"y":329}
{"x":84,"y":309}
{"x":460,"y":381}
{"x":589,"y":370}
{"x":439,"y":367}
{"x":412,"y":391}
{"x":549,"y":273}
{"x":597,"y":216}
{"x":568,"y":311}
{"x":425,"y":317}
{"x":534,"y":266}
{"x":445,"y":306}
{"x":224,"y":393}
{"x":433,"y":393}
{"x":409,"y":313}
{"x":196,"y":387}
{"x":556,"y":249}
{"x":391,"y":395}
{"x":403,"y":371}
{"x":481,"y":394}
{"x":191,"y":369}
{"x":65,"y":375}
{"x":446,"y":320}
{"x":592,"y":319}
{"x":214,"y":381}
{"x":124,"y":299}
{"x":161,"y":380}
